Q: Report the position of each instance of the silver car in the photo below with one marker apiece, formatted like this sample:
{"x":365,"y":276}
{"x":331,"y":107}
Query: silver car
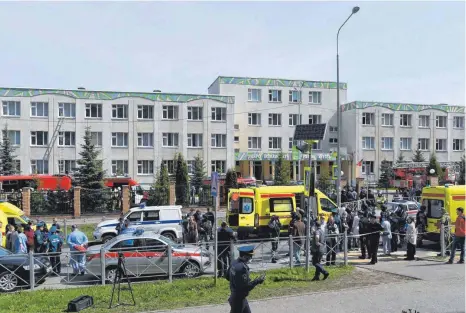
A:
{"x":146,"y":254}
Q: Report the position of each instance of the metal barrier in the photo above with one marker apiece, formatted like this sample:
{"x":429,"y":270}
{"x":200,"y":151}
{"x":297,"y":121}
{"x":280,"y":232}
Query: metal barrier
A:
{"x":100,"y":200}
{"x":58,"y":202}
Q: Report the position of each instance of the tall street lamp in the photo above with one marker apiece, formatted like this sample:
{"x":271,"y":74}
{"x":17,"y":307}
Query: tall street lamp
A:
{"x":354,"y":11}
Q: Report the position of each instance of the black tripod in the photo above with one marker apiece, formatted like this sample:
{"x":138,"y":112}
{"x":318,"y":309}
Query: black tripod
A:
{"x":119,"y":276}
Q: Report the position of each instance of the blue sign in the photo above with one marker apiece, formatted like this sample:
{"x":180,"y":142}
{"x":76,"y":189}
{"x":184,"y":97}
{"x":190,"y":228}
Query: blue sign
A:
{"x":214,"y":182}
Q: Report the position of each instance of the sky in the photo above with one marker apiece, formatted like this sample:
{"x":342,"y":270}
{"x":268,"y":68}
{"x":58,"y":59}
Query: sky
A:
{"x":410,"y":52}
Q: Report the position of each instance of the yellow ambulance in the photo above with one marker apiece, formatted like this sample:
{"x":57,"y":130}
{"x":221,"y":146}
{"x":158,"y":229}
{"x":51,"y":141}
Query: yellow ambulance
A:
{"x":435,"y":198}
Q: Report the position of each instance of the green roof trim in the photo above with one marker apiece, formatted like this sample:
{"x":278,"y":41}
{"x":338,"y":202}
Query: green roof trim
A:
{"x":277,"y":82}
{"x":111,"y":95}
{"x":357,"y":105}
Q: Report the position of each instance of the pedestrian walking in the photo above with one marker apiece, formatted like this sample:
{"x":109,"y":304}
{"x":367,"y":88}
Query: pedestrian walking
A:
{"x":411,"y":237}
{"x":331,"y":240}
{"x":458,"y":240}
{"x":373,"y":237}
{"x":386,"y":237}
{"x":77,"y":241}
{"x":21,"y":241}
{"x":299,"y":230}
{"x":225,"y":237}
{"x":55,"y":244}
{"x":240,"y":282}
{"x":318,"y":250}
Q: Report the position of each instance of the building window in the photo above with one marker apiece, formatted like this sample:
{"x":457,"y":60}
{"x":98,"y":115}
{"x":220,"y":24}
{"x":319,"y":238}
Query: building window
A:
{"x":405,"y":120}
{"x":315,"y":97}
{"x":254,"y":95}
{"x":119,"y":167}
{"x":441,"y":121}
{"x":458,"y":122}
{"x":96,"y":139}
{"x":170,"y":139}
{"x":275,"y":142}
{"x":170,"y":112}
{"x":254,"y":119}
{"x":367,"y":118}
{"x":11,"y":108}
{"x":195,"y":113}
{"x":333,"y":141}
{"x":119,"y":139}
{"x":315,"y":119}
{"x":254,"y":143}
{"x":145,"y":112}
{"x":458,"y":144}
{"x":292,"y":143}
{"x":67,"y":110}
{"x":66,"y":139}
{"x":275,"y":95}
{"x":219,"y":114}
{"x":39,"y":166}
{"x":93,"y":110}
{"x":145,"y":139}
{"x":39,"y":138}
{"x":294,"y":119}
{"x":333,"y":129}
{"x":190,"y":164}
{"x":424,"y":121}
{"x":440,"y":145}
{"x":368,"y":167}
{"x":368,"y":143}
{"x":39,"y":109}
{"x":236,"y":139}
{"x":236,"y":126}
{"x":218,"y":166}
{"x":119,"y":111}
{"x":387,"y":143}
{"x":218,"y":140}
{"x":170,"y":164}
{"x":14,"y":136}
{"x":317,"y":145}
{"x":275,"y":119}
{"x":423,"y":144}
{"x":66,"y":166}
{"x":405,"y":143}
{"x":195,"y":140}
{"x":295,"y":96}
{"x":387,"y":119}
{"x":145,"y":167}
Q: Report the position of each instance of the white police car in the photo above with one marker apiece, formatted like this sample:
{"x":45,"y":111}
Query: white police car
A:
{"x":163,"y":220}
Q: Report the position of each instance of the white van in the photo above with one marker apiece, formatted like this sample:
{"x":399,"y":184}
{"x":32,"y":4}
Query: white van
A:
{"x":163,"y":220}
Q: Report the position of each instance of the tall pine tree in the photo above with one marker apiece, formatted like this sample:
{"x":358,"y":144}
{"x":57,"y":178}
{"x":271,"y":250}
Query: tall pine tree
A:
{"x":7,"y":162}
{"x":433,"y":164}
{"x":198,"y":172}
{"x":282,"y":171}
{"x":400,"y":159}
{"x":386,"y":172}
{"x":461,"y":179}
{"x":160,"y":193}
{"x":181,"y":181}
{"x":418,"y":156}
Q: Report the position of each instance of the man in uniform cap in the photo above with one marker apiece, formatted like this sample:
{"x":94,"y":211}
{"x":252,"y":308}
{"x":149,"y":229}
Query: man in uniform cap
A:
{"x":54,"y":246}
{"x":39,"y":242}
{"x":373,"y":230}
{"x":240,"y":283}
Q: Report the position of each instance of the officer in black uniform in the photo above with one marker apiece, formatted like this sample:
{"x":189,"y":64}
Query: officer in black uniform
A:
{"x":240,"y":283}
{"x":373,"y":230}
{"x":363,"y":224}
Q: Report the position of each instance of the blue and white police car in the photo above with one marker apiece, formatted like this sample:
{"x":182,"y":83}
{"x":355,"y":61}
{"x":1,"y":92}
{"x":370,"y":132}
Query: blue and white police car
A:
{"x":163,"y":220}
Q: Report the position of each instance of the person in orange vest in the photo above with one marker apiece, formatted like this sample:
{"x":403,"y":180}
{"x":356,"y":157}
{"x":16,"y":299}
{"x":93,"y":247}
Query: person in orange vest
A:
{"x":458,"y":240}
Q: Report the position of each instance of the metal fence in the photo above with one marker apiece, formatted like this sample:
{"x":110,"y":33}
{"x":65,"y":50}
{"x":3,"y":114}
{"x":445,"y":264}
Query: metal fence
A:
{"x":59,"y":202}
{"x":14,"y":197}
{"x":101,"y":201}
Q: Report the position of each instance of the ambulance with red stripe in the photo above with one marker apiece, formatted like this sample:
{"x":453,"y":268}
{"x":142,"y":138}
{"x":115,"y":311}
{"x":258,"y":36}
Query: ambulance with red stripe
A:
{"x":250,"y":209}
{"x":435,"y":198}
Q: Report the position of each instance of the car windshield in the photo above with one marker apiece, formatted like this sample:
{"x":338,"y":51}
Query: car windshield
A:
{"x":111,"y":242}
{"x":169,"y":241}
{"x":4,"y":252}
{"x":434,"y":207}
{"x":25,"y":218}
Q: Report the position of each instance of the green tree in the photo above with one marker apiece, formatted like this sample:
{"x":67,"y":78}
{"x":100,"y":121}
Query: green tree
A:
{"x":198,"y":173}
{"x":231,"y":181}
{"x":181,"y":181}
{"x":418,"y":156}
{"x":160,"y":193}
{"x":386,"y":172}
{"x":400,"y":159}
{"x":461,"y":178}
{"x":282,"y":171}
{"x":7,"y":162}
{"x":324,"y":182}
{"x":433,"y":164}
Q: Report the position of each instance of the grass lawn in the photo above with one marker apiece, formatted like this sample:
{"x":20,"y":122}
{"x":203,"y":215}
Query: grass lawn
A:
{"x":163,"y":295}
{"x":88,"y":229}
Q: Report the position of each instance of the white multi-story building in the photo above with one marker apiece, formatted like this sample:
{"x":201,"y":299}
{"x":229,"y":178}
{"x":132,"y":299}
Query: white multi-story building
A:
{"x":377,"y":131}
{"x":135,"y":131}
{"x":266,"y":113}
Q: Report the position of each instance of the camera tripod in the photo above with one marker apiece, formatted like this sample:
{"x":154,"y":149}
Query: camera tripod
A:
{"x":119,"y":276}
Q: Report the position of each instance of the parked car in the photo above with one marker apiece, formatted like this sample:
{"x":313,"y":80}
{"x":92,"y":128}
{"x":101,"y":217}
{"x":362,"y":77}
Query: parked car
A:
{"x":164,"y":220}
{"x":146,"y":253}
{"x":411,"y":206}
{"x":14,"y":270}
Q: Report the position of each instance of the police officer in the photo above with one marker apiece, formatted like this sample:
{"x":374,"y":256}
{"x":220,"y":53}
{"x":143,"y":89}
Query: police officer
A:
{"x":421,"y":224}
{"x":383,"y":213}
{"x":225,"y":237}
{"x":240,"y":283}
{"x":363,"y":224}
{"x":373,"y":229}
{"x":380,"y":199}
{"x":54,"y":246}
{"x":39,"y":242}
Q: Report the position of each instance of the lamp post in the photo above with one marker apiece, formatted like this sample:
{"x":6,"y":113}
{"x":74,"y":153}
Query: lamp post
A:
{"x":354,"y":11}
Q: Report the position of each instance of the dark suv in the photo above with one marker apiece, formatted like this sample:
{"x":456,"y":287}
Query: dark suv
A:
{"x":14,"y":270}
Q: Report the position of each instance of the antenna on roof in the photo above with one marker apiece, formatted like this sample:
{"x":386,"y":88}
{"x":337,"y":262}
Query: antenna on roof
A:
{"x":81,"y":88}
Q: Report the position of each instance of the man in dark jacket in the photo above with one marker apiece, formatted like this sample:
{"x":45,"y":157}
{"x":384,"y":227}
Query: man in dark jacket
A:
{"x":225,"y":238}
{"x":39,"y":242}
{"x":363,"y":225}
{"x":373,"y":229}
{"x":421,"y":224}
{"x":299,"y":230}
{"x":274,"y":233}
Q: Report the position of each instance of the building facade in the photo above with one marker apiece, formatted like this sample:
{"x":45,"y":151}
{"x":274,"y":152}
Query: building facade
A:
{"x":135,"y":131}
{"x":377,"y":131}
{"x":266,"y":114}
